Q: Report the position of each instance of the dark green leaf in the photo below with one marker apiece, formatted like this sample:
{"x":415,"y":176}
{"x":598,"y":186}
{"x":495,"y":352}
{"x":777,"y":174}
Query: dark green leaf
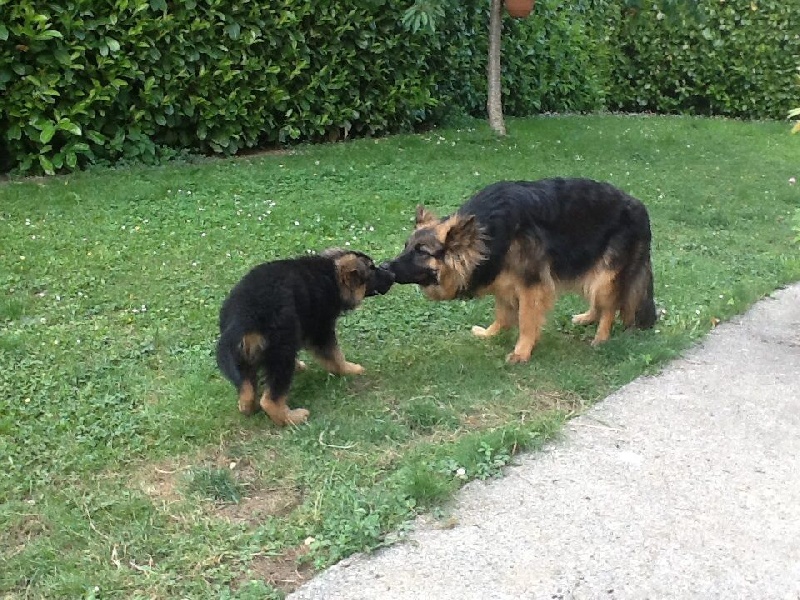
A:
{"x":48,"y":131}
{"x":47,"y":165}
{"x":233,"y":30}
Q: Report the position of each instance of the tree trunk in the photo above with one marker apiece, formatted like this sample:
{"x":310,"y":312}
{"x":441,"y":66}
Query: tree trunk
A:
{"x":494,"y":103}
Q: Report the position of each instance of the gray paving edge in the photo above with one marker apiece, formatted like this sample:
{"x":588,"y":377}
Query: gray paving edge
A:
{"x":681,"y":485}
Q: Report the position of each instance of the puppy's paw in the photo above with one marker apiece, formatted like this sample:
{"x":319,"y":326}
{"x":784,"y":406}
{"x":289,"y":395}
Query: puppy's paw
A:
{"x":297,"y":416}
{"x":597,"y":341}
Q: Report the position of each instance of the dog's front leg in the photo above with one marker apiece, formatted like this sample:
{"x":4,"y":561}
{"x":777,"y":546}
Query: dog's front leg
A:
{"x":534,"y":302}
{"x":505,"y":313}
{"x":332,"y":360}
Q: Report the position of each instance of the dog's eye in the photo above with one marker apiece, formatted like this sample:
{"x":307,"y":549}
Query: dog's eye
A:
{"x":422,"y":250}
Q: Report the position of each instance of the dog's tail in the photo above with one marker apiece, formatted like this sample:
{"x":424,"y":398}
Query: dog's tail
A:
{"x":638,"y":304}
{"x":238,"y":348}
{"x":640,"y":297}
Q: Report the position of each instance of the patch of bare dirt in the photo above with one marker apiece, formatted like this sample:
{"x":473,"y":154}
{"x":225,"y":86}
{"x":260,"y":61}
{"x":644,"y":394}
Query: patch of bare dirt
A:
{"x":256,"y":505}
{"x":284,"y":572}
{"x":164,"y":482}
{"x":161,"y":481}
{"x":21,"y":532}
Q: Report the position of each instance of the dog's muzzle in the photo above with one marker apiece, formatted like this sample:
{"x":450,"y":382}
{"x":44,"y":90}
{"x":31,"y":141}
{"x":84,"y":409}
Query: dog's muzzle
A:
{"x":405,"y":274}
{"x":382,"y":281}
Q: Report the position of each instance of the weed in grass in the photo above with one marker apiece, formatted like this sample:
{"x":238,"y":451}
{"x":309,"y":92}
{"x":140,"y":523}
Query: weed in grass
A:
{"x":214,"y":484}
{"x":107,"y":328}
{"x":423,"y":414}
{"x":427,"y":485}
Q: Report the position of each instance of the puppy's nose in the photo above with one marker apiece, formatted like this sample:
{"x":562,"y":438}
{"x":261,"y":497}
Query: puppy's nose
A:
{"x":386,"y":266}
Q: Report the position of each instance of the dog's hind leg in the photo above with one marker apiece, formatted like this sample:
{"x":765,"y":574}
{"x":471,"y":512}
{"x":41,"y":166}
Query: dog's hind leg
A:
{"x":505,"y":314}
{"x":247,"y":392}
{"x":280,"y":370}
{"x":280,"y":413}
{"x":587,"y":318}
{"x":604,"y":301}
{"x":534,"y":303}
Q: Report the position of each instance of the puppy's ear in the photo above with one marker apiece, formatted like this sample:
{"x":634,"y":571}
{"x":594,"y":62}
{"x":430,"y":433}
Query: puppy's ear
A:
{"x":424,"y":217}
{"x":463,"y":234}
{"x":333,"y":253}
{"x":352,"y":271}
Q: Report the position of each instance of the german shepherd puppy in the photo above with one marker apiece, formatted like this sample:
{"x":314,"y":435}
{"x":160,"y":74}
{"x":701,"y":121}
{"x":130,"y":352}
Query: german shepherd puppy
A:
{"x":524,"y":242}
{"x":282,"y":306}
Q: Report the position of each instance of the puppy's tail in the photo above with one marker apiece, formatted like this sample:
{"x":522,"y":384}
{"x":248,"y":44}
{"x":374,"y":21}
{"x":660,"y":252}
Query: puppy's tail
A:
{"x":236,"y":349}
{"x":638,"y":305}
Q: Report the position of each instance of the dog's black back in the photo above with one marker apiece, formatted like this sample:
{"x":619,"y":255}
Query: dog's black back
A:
{"x":557,"y":212}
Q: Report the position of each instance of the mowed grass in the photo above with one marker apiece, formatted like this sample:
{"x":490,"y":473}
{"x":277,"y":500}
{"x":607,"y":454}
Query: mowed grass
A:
{"x":127,"y":470}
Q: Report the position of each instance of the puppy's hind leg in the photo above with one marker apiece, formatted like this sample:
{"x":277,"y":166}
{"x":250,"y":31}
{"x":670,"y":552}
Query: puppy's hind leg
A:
{"x":236,"y":358}
{"x":280,"y":370}
{"x":247,"y":391}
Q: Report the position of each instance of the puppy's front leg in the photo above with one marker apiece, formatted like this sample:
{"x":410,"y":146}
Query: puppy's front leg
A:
{"x":332,"y":360}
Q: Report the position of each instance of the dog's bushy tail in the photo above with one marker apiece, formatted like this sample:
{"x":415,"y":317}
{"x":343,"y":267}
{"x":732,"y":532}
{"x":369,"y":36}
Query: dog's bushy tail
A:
{"x":238,"y":348}
{"x":638,"y":304}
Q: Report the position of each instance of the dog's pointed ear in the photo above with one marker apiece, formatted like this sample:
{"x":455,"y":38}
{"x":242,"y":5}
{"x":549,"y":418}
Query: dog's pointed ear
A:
{"x":350,"y":269}
{"x":332,"y":253}
{"x":464,"y":233}
{"x":424,"y":217}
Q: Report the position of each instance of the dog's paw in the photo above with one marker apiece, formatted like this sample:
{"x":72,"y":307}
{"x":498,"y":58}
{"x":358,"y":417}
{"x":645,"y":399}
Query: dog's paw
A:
{"x":299,"y":365}
{"x":479,"y":331}
{"x":248,"y":408}
{"x":513,"y":358}
{"x":583,"y":319}
{"x":297,"y":416}
{"x":598,"y":341}
{"x":352,"y":369}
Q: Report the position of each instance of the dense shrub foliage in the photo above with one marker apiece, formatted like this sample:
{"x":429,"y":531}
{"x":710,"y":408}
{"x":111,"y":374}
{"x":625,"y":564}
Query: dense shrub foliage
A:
{"x":87,"y":82}
{"x":733,"y":58}
{"x":556,"y":60}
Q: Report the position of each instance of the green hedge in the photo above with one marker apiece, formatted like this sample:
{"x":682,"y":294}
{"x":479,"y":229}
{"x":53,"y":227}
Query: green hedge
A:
{"x":554,"y":60}
{"x":731,"y":58}
{"x":84,"y":82}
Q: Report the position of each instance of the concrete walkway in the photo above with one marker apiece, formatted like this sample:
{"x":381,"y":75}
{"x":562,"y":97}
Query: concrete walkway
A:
{"x":685,"y":485}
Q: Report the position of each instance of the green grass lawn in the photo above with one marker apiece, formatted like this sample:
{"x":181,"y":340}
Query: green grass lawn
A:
{"x":129,"y":473}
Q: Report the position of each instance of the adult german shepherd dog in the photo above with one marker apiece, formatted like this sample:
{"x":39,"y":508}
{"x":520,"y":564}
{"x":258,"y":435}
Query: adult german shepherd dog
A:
{"x":282,"y":306}
{"x":524,"y":242}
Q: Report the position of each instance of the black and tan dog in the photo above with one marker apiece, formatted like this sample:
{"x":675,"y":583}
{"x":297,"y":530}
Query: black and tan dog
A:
{"x":525,"y":242}
{"x":282,"y":306}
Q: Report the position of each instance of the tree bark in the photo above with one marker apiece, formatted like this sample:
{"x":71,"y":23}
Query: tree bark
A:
{"x":494,"y":102}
